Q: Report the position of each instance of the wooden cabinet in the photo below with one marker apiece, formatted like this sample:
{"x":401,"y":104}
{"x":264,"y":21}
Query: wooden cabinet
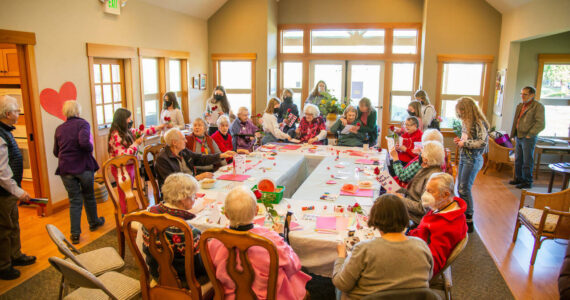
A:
{"x":9,"y":67}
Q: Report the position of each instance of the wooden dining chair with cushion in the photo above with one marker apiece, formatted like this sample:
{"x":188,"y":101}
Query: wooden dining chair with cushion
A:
{"x":111,"y":285}
{"x":548,"y":218}
{"x":237,"y":244}
{"x":443,"y":280}
{"x":168,"y":285}
{"x":499,"y":155}
{"x":153,"y":150}
{"x":134,"y":198}
{"x":97,"y":261}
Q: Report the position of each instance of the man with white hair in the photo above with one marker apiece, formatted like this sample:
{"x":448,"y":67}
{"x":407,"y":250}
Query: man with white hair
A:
{"x":240,"y":208}
{"x":175,"y":157}
{"x":11,"y":192}
{"x":444,"y":225}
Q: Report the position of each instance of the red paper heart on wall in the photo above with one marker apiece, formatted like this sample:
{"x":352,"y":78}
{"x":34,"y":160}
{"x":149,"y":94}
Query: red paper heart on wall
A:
{"x":52,"y":101}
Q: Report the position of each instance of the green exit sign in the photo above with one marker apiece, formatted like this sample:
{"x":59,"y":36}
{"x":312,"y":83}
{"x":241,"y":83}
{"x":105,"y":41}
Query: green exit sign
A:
{"x":113,"y":7}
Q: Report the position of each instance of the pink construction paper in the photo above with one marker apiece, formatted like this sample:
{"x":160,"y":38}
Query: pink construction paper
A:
{"x":359,"y":193}
{"x":331,"y":182}
{"x":326,"y":223}
{"x":339,"y":166}
{"x":364,"y":161}
{"x":232,"y":177}
{"x":291,"y":147}
{"x":356,"y":153}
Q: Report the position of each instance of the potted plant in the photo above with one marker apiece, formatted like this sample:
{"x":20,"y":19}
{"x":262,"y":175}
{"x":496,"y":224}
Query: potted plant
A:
{"x":330,"y":106}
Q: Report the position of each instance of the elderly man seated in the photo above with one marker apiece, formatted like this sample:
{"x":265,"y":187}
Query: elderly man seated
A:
{"x":241,"y":208}
{"x":432,"y":159}
{"x":444,"y":225}
{"x":175,"y":157}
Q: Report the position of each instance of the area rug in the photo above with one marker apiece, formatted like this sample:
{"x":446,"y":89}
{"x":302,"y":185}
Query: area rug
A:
{"x":475,"y":276}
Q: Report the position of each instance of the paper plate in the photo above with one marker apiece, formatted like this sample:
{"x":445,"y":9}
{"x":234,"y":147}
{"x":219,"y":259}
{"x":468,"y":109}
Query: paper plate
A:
{"x":266,"y":185}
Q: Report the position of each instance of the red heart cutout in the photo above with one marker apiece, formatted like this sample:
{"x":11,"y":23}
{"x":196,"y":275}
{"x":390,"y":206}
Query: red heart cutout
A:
{"x":52,"y":101}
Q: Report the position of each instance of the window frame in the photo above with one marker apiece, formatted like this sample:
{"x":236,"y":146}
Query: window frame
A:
{"x":108,"y":61}
{"x":250,"y":57}
{"x":485,"y":60}
{"x":550,"y":59}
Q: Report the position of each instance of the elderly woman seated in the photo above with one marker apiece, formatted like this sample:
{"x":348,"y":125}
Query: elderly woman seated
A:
{"x":392,"y":261}
{"x":407,"y":172}
{"x":199,"y":142}
{"x":444,"y":225}
{"x":241,"y":208}
{"x":312,"y":127}
{"x":176,"y":158}
{"x":179,"y":193}
{"x":432,"y":158}
{"x":348,"y":129}
{"x":244,"y":132}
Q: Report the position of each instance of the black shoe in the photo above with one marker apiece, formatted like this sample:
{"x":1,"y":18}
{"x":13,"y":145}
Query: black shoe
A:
{"x":24,"y":260}
{"x":515,"y":182}
{"x":9,"y":274}
{"x":524,"y":185}
{"x":99,"y":224}
{"x":75,"y":239}
{"x":470,"y":226}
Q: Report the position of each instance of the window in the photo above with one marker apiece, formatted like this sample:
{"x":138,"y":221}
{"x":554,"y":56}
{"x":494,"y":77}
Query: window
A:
{"x":175,"y":79}
{"x":402,"y":90}
{"x":151,"y":93}
{"x":292,"y":41}
{"x":461,"y":75}
{"x":405,"y":41}
{"x":236,"y":73}
{"x":109,"y":89}
{"x":292,"y":79}
{"x":553,"y":90}
{"x":347,"y":41}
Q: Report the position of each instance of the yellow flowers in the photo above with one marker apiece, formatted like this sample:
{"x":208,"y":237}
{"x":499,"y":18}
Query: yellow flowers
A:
{"x":333,"y":102}
{"x":343,"y":106}
{"x":323,"y":101}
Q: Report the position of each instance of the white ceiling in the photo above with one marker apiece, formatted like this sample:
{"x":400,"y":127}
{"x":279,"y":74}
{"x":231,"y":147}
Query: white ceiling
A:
{"x":505,"y":6}
{"x":202,"y":9}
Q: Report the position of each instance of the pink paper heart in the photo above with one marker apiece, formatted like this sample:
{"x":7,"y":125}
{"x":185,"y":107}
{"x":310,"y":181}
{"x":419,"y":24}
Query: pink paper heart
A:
{"x":52,"y":101}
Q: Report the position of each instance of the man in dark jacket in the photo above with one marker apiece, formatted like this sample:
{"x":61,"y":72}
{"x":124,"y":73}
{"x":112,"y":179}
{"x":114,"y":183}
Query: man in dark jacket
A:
{"x":176,"y":158}
{"x":11,"y":192}
{"x":528,"y":123}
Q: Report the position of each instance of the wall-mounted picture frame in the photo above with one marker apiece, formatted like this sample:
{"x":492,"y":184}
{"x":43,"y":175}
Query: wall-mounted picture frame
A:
{"x":195,"y":82}
{"x":203,"y":80}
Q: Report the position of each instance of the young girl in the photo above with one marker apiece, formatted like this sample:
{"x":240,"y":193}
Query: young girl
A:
{"x":199,"y":142}
{"x":171,"y":111}
{"x":473,"y":143}
{"x":215,"y":107}
{"x":244,"y":132}
{"x":428,"y":113}
{"x":315,"y":97}
{"x":412,"y":135}
{"x":286,"y":108}
{"x":348,"y":137}
{"x":270,"y":125}
{"x":122,"y":141}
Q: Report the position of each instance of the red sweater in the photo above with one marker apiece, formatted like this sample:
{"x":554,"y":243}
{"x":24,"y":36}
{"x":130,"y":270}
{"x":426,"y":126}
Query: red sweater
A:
{"x":223,"y":144}
{"x":442,"y":231}
{"x":409,"y":140}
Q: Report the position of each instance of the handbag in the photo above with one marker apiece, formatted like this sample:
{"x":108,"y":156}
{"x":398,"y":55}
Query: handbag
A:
{"x":503,"y":140}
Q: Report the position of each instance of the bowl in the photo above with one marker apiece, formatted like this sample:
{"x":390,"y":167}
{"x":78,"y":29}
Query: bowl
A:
{"x":208,"y":183}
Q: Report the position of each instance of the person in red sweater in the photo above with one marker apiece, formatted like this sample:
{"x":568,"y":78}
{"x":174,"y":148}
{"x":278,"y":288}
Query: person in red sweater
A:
{"x":223,"y":138}
{"x":444,"y":225}
{"x":406,"y":146}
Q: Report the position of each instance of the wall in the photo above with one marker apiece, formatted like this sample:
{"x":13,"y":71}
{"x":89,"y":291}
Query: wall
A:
{"x":241,"y":26}
{"x":459,"y":27}
{"x":342,"y":11}
{"x":532,"y":20}
{"x":62,"y":30}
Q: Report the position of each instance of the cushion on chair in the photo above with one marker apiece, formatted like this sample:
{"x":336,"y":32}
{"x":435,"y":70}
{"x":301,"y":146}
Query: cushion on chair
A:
{"x":533,"y":215}
{"x":100,"y":260}
{"x":123,"y":287}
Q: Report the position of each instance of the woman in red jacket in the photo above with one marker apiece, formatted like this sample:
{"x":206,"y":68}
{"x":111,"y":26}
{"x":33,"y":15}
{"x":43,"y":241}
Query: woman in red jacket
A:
{"x":444,"y":225}
{"x":413,"y":134}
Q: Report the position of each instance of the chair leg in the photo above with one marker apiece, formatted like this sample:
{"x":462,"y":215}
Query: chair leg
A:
{"x":537,"y":243}
{"x":61,"y":287}
{"x":500,"y":167}
{"x":486,"y":167}
{"x":517,"y":226}
{"x":447,"y":283}
{"x":122,"y":244}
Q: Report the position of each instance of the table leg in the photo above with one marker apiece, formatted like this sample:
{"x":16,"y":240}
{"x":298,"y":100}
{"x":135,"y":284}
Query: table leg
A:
{"x":551,"y":182}
{"x":565,"y":183}
{"x":538,"y":154}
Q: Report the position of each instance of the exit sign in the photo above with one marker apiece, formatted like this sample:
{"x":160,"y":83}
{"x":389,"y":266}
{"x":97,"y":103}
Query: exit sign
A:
{"x":113,"y":7}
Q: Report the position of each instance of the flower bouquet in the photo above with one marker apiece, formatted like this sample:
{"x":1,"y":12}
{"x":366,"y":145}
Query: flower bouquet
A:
{"x":167,"y":120}
{"x":330,"y":104}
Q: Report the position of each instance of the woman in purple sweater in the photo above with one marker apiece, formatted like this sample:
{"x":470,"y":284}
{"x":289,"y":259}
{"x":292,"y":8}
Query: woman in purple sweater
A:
{"x":74,"y":146}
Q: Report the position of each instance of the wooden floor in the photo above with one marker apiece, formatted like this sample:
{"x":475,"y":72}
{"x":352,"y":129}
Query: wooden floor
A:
{"x":495,"y":210}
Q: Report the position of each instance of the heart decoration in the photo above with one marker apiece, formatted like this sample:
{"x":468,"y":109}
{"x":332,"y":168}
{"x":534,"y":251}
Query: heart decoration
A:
{"x":52,"y":101}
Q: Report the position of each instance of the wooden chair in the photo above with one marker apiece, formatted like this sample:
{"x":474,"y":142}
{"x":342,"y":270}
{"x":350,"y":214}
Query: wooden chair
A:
{"x":237,"y":243}
{"x":169,"y":284}
{"x":153,"y":149}
{"x":499,"y":155}
{"x":443,"y":280}
{"x":547,"y":219}
{"x":450,"y":167}
{"x":134,"y":198}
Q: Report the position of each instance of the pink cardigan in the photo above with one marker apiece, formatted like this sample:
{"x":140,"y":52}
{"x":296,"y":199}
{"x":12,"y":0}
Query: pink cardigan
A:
{"x":290,"y":280}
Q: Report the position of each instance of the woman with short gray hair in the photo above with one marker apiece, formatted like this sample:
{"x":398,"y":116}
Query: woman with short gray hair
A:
{"x":312,"y":128}
{"x":73,"y":146}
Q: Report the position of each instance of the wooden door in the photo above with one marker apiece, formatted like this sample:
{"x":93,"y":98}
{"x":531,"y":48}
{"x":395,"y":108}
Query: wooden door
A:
{"x":109,"y":91}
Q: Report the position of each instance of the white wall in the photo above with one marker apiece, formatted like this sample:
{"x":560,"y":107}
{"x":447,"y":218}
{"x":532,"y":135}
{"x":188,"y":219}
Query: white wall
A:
{"x":62,"y":30}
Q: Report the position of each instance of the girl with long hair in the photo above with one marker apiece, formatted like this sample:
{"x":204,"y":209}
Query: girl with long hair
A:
{"x":316,"y":95}
{"x":270,"y":125}
{"x":473,"y":143}
{"x":171,"y":112}
{"x":216,"y":106}
{"x":428,"y":113}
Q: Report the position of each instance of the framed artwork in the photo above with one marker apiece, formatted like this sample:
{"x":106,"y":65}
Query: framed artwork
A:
{"x":203,"y":81}
{"x":499,"y":91}
{"x":195,"y":82}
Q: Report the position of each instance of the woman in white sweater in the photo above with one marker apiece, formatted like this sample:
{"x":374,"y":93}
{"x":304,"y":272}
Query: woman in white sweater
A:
{"x":270,"y":125}
{"x":171,"y":111}
{"x":428,"y":113}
